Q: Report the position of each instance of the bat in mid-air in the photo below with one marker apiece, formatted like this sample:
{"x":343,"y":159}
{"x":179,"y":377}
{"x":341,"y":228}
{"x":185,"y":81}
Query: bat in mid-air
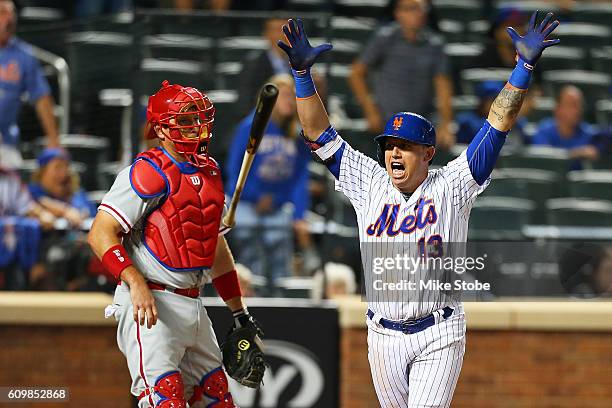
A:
{"x":265,"y":104}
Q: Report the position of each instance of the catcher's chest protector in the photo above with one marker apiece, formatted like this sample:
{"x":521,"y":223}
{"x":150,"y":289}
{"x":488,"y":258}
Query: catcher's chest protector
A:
{"x":182,"y":231}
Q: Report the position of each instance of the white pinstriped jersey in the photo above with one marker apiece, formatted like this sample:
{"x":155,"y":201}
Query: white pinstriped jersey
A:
{"x":439,"y":208}
{"x":128,"y":209}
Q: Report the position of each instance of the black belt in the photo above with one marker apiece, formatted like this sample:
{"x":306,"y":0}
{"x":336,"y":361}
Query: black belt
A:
{"x":412,"y":326}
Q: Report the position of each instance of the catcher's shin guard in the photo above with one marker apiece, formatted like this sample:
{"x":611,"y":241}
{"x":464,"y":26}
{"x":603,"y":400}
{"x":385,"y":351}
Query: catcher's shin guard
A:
{"x":213,"y":385}
{"x":169,"y":389}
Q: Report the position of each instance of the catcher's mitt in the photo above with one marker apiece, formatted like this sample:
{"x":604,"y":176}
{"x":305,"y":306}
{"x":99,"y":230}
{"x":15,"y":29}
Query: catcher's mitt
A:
{"x":243,"y":354}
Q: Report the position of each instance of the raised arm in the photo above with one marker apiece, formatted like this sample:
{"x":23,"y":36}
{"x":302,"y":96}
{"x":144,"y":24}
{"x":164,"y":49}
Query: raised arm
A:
{"x":483,"y":150}
{"x":505,"y":108}
{"x":302,"y":56}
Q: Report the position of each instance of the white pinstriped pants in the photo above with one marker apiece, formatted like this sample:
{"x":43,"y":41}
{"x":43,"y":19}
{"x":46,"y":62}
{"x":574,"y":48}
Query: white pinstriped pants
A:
{"x":417,"y":370}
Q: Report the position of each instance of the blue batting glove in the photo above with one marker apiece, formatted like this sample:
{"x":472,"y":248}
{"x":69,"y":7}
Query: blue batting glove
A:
{"x":531,"y":45}
{"x":301,"y":54}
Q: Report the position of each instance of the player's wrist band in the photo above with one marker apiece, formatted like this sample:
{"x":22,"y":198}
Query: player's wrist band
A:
{"x":241,"y":317}
{"x":521,"y":75}
{"x":227,"y":285}
{"x":115,"y":260}
{"x":304,"y":85}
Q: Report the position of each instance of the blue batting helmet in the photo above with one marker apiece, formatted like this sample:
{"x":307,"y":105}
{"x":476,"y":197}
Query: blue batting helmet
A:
{"x":408,"y":126}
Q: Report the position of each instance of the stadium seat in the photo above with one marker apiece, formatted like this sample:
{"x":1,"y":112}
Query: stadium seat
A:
{"x":40,"y":15}
{"x":601,"y":59}
{"x":117,"y":23}
{"x":363,"y":8}
{"x":100,"y":60}
{"x":227,"y":74}
{"x":234,"y":49}
{"x":97,"y":60}
{"x":464,"y":11}
{"x":154,"y":71}
{"x":338,"y":79}
{"x":543,"y":108}
{"x":583,"y":35}
{"x":594,"y":85}
{"x":179,"y":46}
{"x":165,"y":21}
{"x":596,"y":184}
{"x":355,"y":132}
{"x":538,"y":157}
{"x":226,"y":120}
{"x":592,"y":12}
{"x":536,"y":185}
{"x":345,"y":51}
{"x":357,"y":29}
{"x":472,"y":76}
{"x":250,"y":25}
{"x":443,"y":156}
{"x":579,"y":212}
{"x":309,"y":5}
{"x":499,"y":218}
{"x":603,"y":112}
{"x":464,"y":103}
{"x":527,"y":6}
{"x":502,"y":186}
{"x":44,"y":27}
{"x":562,"y":57}
{"x":296,"y":287}
{"x":452,"y":30}
{"x":462,"y":55}
{"x":107,"y":172}
{"x":477,"y":31}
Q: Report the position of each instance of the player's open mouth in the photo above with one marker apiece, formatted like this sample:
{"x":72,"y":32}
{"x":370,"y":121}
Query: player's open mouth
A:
{"x":397,"y":169}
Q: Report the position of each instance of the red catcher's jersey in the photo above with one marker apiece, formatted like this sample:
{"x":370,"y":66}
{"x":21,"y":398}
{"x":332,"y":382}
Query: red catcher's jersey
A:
{"x":181,"y":232}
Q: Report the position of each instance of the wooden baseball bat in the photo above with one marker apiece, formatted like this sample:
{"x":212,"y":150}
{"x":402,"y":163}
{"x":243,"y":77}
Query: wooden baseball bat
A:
{"x":265,"y":104}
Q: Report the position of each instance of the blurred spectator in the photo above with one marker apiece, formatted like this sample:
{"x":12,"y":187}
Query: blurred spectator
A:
{"x":275,"y":198}
{"x":20,"y":222}
{"x":65,"y":255}
{"x":92,"y":8}
{"x":56,"y":188}
{"x":336,"y":280}
{"x":259,"y":65}
{"x":20,"y":74}
{"x":566,"y":128}
{"x":469,"y":123}
{"x":499,"y":51}
{"x":409,"y":70}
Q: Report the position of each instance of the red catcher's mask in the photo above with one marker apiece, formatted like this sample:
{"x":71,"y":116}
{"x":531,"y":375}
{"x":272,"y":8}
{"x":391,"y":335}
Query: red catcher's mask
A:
{"x":186,"y":117}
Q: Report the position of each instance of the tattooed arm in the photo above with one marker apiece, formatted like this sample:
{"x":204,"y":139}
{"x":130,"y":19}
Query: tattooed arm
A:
{"x":529,"y":48}
{"x":505,"y":108}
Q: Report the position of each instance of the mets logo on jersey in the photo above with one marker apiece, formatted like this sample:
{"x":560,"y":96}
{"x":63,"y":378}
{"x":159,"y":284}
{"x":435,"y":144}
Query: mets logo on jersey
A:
{"x":397,"y":122}
{"x":387,"y":220}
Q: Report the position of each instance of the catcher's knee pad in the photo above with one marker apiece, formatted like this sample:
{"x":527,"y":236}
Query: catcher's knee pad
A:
{"x":214,"y":385}
{"x":170,"y":390}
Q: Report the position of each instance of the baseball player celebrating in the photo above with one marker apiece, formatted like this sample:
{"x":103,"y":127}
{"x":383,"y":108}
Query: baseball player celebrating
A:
{"x":159,"y":231}
{"x":415,"y":348}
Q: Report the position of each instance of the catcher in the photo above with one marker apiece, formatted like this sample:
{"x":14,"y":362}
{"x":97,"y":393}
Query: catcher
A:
{"x":158,"y":231}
